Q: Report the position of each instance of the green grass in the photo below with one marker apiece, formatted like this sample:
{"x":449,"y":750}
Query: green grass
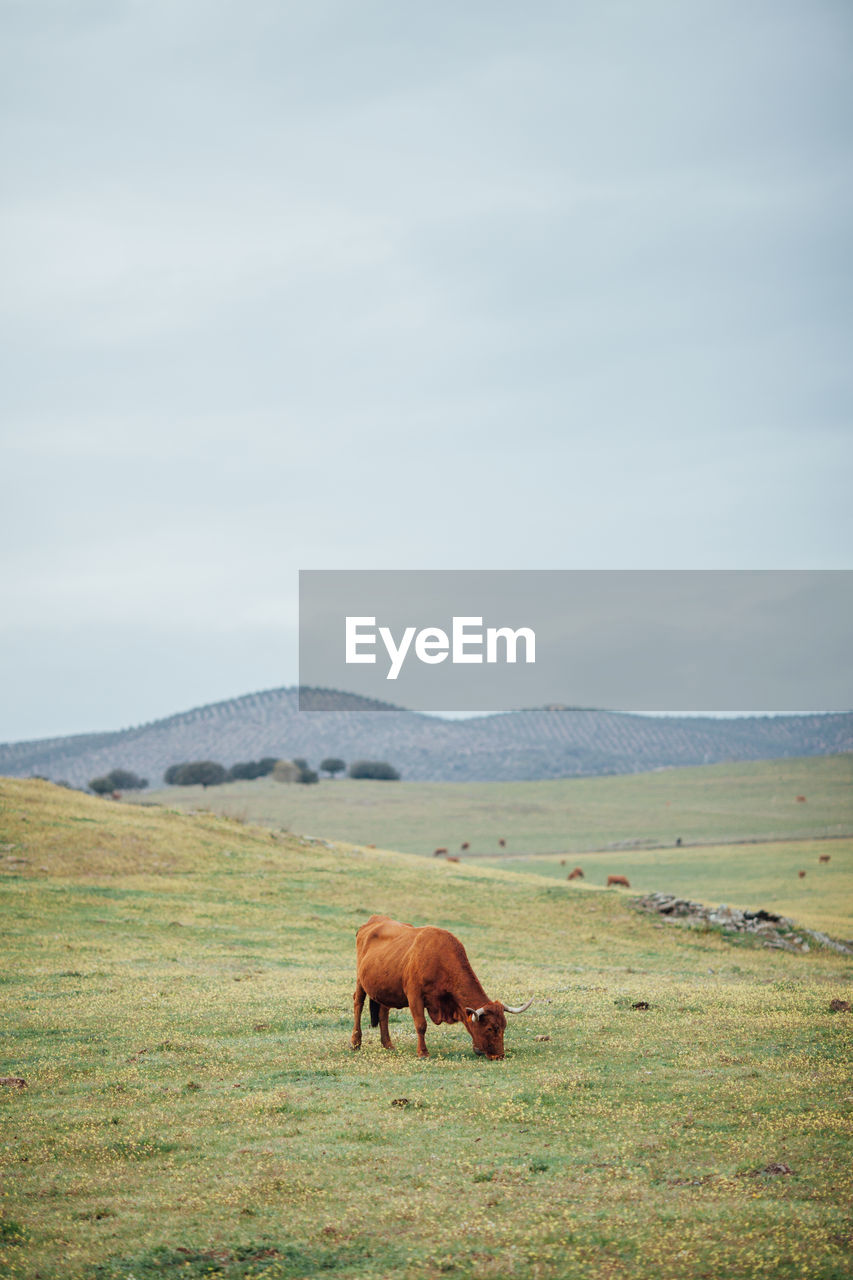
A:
{"x":710,"y":804}
{"x":742,"y":875}
{"x":177,"y":993}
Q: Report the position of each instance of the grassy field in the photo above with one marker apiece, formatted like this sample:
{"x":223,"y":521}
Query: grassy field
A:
{"x":746,"y":875}
{"x":708,"y":804}
{"x":176,"y":990}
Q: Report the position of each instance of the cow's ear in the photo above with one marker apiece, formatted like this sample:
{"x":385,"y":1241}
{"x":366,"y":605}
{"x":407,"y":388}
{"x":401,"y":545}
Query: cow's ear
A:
{"x":473,"y":1014}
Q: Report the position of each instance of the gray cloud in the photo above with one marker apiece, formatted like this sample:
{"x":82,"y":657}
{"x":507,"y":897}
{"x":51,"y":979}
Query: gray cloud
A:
{"x":313,"y":286}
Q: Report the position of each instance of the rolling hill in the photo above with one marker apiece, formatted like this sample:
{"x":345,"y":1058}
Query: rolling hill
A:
{"x":548,"y":742}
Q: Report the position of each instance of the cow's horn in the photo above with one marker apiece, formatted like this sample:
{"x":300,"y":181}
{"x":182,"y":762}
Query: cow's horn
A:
{"x":508,"y":1008}
{"x":476,"y":1014}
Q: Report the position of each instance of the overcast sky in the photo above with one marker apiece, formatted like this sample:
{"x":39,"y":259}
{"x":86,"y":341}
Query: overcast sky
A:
{"x":327,"y":285}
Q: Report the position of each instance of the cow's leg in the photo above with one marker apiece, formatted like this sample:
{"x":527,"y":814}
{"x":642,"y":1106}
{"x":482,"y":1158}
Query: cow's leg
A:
{"x":384,"y":1034}
{"x":416,"y":1006}
{"x":358,"y":1005}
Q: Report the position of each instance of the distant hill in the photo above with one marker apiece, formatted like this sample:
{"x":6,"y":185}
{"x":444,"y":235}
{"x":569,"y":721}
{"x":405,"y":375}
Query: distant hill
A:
{"x":548,"y":742}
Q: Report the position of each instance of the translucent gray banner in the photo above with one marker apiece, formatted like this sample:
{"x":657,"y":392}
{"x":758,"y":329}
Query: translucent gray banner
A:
{"x":725,"y":641}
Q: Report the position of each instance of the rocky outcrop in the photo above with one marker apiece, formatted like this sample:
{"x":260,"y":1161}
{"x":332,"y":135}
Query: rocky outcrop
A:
{"x":765,"y":926}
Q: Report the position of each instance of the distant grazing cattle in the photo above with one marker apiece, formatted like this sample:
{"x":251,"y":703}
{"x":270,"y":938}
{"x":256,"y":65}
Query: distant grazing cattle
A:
{"x":465,"y":845}
{"x":450,"y":858}
{"x":618,"y":880}
{"x":115,"y":795}
{"x":370,"y":846}
{"x":502,"y":843}
{"x":824,"y":857}
{"x":577,"y":874}
{"x":801,"y":874}
{"x":428,"y":970}
{"x":563,"y":861}
{"x":678,"y":842}
{"x":801,"y":799}
{"x":440,"y":853}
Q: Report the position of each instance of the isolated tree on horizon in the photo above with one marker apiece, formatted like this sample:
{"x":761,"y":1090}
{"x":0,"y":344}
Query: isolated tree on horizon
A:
{"x":195,"y":773}
{"x":380,"y":770}
{"x":332,"y":765}
{"x":117,"y":780}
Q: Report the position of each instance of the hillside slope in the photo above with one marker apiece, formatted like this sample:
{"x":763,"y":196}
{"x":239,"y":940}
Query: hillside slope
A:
{"x":181,"y":1098}
{"x":701,"y":805}
{"x":520,"y":745}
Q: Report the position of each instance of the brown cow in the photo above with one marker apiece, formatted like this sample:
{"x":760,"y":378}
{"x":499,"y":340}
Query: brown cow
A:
{"x":577,"y":874}
{"x":618,"y":880}
{"x":440,"y":853}
{"x":801,"y":874}
{"x":502,"y":843}
{"x":801,"y":799}
{"x":428,"y":970}
{"x":450,"y":858}
{"x":465,"y":845}
{"x":824,"y":857}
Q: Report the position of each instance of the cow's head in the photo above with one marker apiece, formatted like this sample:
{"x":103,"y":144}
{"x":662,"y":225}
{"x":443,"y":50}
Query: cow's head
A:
{"x":487,"y":1025}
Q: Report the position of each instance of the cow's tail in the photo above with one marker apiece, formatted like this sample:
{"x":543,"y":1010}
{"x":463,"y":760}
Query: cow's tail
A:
{"x":374,"y":1012}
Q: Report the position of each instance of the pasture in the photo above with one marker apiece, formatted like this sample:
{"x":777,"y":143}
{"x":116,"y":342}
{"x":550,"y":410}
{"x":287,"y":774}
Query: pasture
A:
{"x":711,"y":804}
{"x":177,"y":993}
{"x":742,"y":875}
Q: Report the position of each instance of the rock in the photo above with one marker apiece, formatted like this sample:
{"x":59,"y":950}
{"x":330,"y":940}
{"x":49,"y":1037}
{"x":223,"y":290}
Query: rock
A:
{"x":769,"y":926}
{"x":837,"y":1006}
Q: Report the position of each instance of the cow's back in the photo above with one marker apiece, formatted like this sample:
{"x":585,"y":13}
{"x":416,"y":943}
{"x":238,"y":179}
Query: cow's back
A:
{"x":395,"y":958}
{"x":382,"y":949}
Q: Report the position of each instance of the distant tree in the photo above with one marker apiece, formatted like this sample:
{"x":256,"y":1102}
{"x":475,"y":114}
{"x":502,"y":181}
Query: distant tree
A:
{"x":246,"y":770}
{"x":195,"y":773}
{"x":117,"y":780}
{"x":306,"y":773}
{"x":332,"y":765}
{"x":286,"y":771}
{"x":124,"y":780}
{"x":377,"y":769}
{"x":170,"y":777}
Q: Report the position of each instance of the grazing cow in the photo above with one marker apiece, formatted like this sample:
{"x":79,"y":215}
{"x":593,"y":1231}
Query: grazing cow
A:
{"x":115,"y":795}
{"x":465,"y":845}
{"x":440,"y":853}
{"x":427,"y":969}
{"x":824,"y":857}
{"x":801,"y":874}
{"x":502,"y":843}
{"x":678,"y":842}
{"x":450,"y":858}
{"x":801,"y":799}
{"x":618,"y":880}
{"x":577,"y":874}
